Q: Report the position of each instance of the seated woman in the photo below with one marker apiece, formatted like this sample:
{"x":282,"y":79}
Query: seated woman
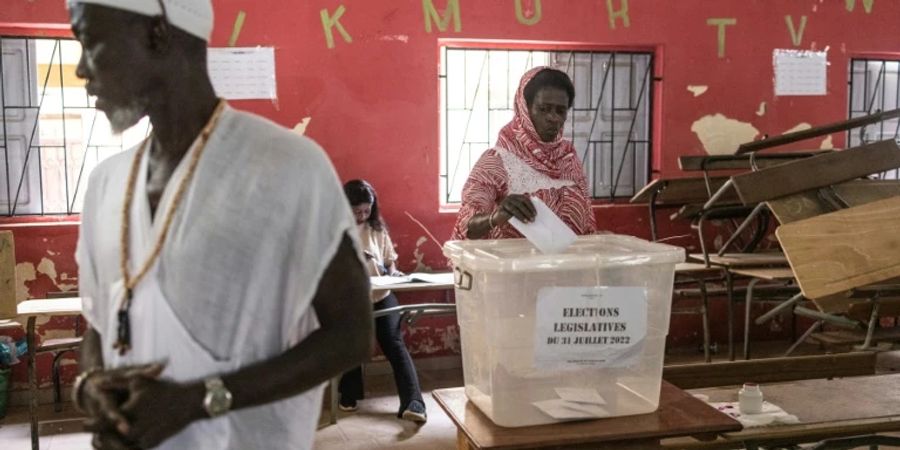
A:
{"x":531,"y":158}
{"x":380,"y":260}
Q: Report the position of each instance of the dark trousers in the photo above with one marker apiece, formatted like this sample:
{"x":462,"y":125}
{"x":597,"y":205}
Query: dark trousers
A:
{"x":390,"y":339}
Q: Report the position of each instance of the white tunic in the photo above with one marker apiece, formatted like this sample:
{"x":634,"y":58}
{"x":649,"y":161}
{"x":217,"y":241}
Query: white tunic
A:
{"x":262,"y":218}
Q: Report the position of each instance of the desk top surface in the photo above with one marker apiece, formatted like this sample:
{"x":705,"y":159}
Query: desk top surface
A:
{"x":679,"y":414}
{"x":50,"y":307}
{"x":766,"y":273}
{"x":418,"y":286}
{"x":852,"y":405}
{"x":687,"y":268}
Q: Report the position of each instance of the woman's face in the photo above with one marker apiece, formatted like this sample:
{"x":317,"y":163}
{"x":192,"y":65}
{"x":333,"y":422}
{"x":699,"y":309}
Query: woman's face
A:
{"x":362,"y":212}
{"x":548,"y":112}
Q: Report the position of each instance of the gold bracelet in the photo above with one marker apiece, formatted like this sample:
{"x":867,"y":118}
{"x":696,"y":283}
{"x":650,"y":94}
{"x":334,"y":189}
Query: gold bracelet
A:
{"x":78,"y":387}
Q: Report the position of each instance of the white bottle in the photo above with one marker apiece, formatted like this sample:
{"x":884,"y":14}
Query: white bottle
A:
{"x":750,"y":399}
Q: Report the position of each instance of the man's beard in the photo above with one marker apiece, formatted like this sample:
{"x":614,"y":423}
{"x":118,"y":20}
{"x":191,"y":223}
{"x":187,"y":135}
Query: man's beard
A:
{"x":124,"y":117}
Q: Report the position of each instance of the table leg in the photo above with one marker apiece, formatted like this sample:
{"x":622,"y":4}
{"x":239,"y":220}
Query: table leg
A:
{"x":729,"y":287}
{"x":652,"y":204}
{"x":32,"y":383}
{"x":870,"y":330}
{"x":803,"y":338}
{"x":704,"y":316}
{"x":333,"y":403}
{"x":748,"y":301}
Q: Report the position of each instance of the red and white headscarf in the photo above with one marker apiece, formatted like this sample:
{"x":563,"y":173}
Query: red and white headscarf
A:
{"x":520,"y":137}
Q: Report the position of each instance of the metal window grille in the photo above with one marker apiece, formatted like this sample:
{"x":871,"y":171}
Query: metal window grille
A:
{"x":875,"y":86}
{"x":51,"y":135}
{"x":609,"y":123}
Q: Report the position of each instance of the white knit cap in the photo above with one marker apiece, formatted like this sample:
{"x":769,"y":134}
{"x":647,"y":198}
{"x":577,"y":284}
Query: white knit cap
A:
{"x":192,"y":16}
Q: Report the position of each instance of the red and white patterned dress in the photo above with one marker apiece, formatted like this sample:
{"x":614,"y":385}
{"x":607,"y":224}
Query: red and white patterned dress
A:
{"x":521,"y":163}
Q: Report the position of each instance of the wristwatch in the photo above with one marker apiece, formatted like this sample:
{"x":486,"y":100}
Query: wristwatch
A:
{"x":218,"y":398}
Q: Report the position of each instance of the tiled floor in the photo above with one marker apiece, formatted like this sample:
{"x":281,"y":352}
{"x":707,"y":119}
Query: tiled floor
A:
{"x":373,"y":426}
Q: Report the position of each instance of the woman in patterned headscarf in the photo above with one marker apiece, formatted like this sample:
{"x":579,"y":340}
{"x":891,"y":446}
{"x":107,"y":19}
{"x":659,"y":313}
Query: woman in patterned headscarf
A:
{"x":531,"y":158}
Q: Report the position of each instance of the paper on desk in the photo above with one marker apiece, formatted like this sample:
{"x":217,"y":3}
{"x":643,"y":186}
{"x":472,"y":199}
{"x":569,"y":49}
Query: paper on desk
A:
{"x":435,"y":278}
{"x":580,"y":395}
{"x":565,"y":410}
{"x":388,"y":280}
{"x":548,"y":232}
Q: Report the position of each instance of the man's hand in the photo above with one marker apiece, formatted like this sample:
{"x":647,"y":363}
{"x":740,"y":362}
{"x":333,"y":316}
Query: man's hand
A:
{"x":514,"y":205}
{"x":103,"y":405}
{"x":110,"y":441}
{"x":156,"y":409}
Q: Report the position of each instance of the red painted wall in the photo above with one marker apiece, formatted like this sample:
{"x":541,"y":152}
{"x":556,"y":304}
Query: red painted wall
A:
{"x":374,"y":103}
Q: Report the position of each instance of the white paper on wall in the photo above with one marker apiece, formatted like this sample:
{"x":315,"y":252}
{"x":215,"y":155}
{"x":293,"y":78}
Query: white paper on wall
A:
{"x":596,"y":326}
{"x":800,"y":72}
{"x":243,"y":73}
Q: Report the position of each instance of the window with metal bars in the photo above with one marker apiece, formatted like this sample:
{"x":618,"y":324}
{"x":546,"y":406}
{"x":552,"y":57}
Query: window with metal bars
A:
{"x":51,"y":135}
{"x":609,"y":123}
{"x":875,"y":86}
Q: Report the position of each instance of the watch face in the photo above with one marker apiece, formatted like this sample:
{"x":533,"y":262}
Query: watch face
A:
{"x":217,"y":401}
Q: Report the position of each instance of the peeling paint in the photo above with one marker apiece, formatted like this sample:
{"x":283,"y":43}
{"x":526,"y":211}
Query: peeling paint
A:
{"x":827,"y":144}
{"x":52,"y":253}
{"x":300,"y":128}
{"x":800,"y":127}
{"x":450,"y":339}
{"x":47,"y":267}
{"x":429,"y":340}
{"x":721,"y":135}
{"x":762,"y":109}
{"x":24,"y":273}
{"x":697,"y":89}
{"x":419,"y":256}
{"x":396,"y":37}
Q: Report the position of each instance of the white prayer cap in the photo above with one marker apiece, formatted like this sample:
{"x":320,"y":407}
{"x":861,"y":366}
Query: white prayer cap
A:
{"x":192,"y":16}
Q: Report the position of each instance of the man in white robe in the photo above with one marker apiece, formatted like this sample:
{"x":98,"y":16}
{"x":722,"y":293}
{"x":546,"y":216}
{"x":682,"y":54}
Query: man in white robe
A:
{"x":257,"y":295}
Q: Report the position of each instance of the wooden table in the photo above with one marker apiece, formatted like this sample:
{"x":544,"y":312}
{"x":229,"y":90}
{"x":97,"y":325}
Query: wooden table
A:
{"x":826,"y":408}
{"x":30,"y":310}
{"x":679,"y":414}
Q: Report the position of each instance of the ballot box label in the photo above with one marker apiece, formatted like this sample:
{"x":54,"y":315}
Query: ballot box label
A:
{"x":601,"y":326}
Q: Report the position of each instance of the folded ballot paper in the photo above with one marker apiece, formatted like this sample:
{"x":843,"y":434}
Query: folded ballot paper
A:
{"x":436,"y":278}
{"x":548,"y":232}
{"x":574,"y":403}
